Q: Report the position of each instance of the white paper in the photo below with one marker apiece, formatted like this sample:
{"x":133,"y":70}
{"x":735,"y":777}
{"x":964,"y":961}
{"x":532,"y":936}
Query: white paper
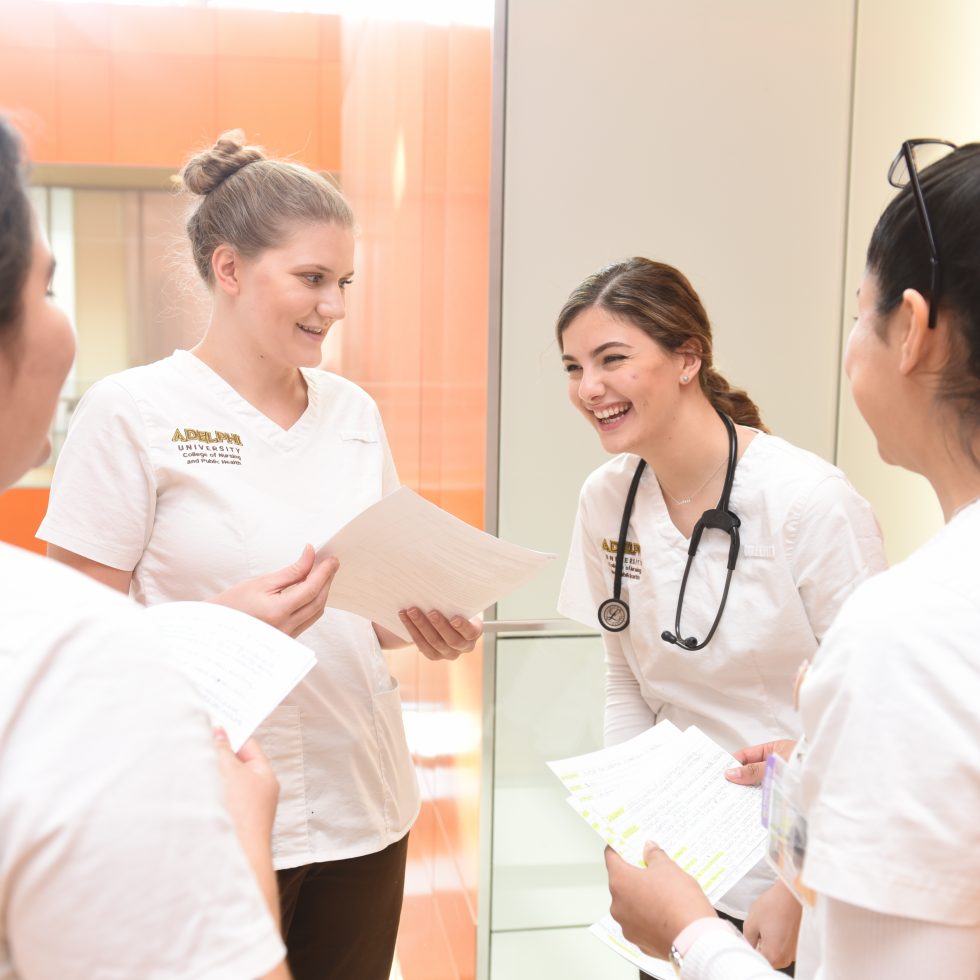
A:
{"x":404,"y":551}
{"x":607,"y":930}
{"x":669,"y":787}
{"x":240,"y":667}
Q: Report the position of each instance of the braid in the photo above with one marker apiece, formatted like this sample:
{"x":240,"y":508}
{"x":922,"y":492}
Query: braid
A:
{"x":734,"y":402}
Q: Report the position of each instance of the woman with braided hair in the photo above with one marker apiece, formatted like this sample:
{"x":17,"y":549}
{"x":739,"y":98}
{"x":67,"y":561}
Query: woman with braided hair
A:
{"x":715,"y":640}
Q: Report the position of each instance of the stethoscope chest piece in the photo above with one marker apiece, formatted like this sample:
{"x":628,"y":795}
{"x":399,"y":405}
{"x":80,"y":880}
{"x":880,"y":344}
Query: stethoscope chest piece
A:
{"x":614,"y":615}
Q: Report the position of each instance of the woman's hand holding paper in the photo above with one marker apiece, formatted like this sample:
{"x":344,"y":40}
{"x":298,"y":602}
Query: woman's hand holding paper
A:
{"x":753,"y":761}
{"x":439,"y":637}
{"x":292,"y":599}
{"x":654,"y":904}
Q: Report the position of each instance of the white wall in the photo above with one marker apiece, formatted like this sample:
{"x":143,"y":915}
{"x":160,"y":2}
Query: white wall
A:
{"x":709,"y":134}
{"x":918,"y":75}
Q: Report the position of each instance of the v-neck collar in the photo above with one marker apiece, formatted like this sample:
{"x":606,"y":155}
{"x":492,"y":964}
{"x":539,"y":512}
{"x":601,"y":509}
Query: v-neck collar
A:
{"x":270,"y":430}
{"x":668,"y":530}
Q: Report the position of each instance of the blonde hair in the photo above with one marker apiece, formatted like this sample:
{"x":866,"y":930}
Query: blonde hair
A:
{"x":247,"y":200}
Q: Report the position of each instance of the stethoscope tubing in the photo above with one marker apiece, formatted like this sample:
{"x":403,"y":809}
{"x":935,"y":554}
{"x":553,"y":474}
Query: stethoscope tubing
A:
{"x":614,"y":613}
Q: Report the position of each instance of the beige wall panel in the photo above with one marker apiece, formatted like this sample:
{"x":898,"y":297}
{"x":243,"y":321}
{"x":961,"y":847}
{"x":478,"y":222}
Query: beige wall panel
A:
{"x":707,"y":134}
{"x":917,"y":75}
{"x":101,"y":297}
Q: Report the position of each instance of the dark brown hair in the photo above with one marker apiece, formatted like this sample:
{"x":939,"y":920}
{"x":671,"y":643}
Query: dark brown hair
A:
{"x":899,"y":259}
{"x":247,"y":200}
{"x":16,"y":232}
{"x":659,"y":300}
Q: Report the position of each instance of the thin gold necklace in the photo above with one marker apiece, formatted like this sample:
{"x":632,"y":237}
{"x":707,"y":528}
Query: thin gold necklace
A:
{"x":690,"y":498}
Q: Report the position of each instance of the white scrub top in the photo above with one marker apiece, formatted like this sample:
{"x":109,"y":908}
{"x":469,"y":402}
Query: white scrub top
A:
{"x":807,"y":540}
{"x":169,"y":472}
{"x":891,"y":711}
{"x":117,"y":855}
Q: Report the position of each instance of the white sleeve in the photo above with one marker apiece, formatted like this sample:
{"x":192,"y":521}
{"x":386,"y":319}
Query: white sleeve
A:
{"x":724,"y":955}
{"x":891,"y":774}
{"x":586,"y":584}
{"x":834,"y":545}
{"x":103,"y":494}
{"x":126,"y":863}
{"x":627,"y":712}
{"x":854,"y":944}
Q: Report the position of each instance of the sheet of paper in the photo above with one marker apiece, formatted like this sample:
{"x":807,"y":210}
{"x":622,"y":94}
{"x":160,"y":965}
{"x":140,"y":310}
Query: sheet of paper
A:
{"x":404,"y":551}
{"x":241,"y":667}
{"x":607,"y":930}
{"x":669,"y":787}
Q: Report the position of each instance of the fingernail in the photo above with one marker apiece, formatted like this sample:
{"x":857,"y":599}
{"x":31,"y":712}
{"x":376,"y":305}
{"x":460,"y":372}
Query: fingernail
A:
{"x":733,"y":772}
{"x":457,"y":622}
{"x":415,"y":614}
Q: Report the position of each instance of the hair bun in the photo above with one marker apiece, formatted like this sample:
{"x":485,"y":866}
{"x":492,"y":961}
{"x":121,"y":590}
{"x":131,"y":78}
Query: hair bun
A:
{"x":210,"y":168}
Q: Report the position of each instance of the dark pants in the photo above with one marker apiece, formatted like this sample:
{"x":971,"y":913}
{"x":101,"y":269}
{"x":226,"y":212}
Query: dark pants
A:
{"x":340,"y":918}
{"x":788,"y":970}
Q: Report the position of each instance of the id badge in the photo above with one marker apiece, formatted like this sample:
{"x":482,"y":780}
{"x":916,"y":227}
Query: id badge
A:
{"x":786,"y":824}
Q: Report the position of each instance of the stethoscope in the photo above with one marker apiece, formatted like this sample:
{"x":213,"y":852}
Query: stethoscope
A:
{"x":614,"y":613}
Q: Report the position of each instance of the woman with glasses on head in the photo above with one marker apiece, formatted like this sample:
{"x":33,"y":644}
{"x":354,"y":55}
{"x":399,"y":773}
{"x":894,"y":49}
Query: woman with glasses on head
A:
{"x":117,"y":854}
{"x":888,"y":769}
{"x":712,"y":555}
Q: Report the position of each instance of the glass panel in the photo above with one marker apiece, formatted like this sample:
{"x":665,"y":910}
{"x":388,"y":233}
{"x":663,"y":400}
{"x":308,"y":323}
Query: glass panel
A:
{"x":548,"y":868}
{"x":569,"y":953}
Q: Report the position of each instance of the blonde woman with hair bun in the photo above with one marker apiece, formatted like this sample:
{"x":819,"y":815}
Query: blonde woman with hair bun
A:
{"x":211,"y":474}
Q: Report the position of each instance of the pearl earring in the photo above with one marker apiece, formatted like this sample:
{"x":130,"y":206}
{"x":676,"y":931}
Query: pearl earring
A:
{"x":685,"y":378}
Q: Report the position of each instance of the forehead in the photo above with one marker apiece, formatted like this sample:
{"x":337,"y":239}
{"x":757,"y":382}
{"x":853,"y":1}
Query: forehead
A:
{"x":320,"y":243}
{"x":595,"y":326}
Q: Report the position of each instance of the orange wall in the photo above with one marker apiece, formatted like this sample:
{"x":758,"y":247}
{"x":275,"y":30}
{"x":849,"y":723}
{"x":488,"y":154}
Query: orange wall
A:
{"x":21,"y":510}
{"x":403,"y":112}
{"x":416,"y":165}
{"x":143,"y":86}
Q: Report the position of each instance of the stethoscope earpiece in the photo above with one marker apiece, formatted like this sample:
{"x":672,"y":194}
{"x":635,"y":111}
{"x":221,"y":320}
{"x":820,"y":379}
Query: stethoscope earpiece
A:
{"x":614,"y":613}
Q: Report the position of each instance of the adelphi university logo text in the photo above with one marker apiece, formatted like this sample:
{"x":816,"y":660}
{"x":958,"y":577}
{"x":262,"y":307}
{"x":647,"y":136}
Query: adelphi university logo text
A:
{"x":209,"y":446}
{"x":632,"y":562}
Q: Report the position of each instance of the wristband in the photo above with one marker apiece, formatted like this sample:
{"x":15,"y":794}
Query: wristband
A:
{"x":689,"y":935}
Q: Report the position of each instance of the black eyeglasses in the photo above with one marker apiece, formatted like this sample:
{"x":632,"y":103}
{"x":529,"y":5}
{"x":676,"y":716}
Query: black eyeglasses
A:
{"x":913,"y":155}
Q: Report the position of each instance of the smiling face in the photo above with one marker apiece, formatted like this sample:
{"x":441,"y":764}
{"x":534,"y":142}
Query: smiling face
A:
{"x":289,"y":296}
{"x":33,"y":367}
{"x":624,"y":383}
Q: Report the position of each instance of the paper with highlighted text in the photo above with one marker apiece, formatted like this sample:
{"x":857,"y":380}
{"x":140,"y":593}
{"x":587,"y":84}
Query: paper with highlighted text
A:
{"x":240,"y":667}
{"x":668,"y":786}
{"x":404,"y":551}
{"x":607,"y":930}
